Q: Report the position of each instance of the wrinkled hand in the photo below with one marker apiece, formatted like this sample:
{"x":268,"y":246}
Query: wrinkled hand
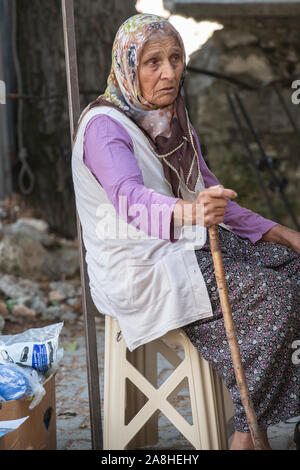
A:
{"x":284,"y":235}
{"x":295,"y":243}
{"x":211,"y":204}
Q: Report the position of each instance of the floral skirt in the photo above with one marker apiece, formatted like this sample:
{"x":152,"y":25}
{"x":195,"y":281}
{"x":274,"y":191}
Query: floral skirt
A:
{"x":263,"y":283}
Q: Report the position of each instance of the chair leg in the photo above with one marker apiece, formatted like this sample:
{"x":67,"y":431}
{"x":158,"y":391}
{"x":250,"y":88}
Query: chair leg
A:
{"x":206,"y":399}
{"x":144,"y":359}
{"x":122,"y":400}
{"x":114,"y":388}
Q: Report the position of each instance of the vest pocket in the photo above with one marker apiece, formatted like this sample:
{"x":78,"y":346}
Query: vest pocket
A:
{"x":149,"y":282}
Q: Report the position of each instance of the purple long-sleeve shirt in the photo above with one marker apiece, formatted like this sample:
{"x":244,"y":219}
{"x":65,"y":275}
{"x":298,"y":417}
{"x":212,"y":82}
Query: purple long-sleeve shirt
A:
{"x":108,"y":153}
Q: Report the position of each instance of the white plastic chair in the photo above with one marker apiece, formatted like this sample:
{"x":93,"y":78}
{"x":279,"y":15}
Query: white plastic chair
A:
{"x":131,"y":417}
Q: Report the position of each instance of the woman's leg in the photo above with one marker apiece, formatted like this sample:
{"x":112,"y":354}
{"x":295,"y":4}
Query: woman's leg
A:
{"x":243,"y":441}
{"x":266,"y":310}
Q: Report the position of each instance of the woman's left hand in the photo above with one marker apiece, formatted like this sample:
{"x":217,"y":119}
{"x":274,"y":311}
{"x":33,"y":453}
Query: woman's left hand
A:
{"x":294,"y":241}
{"x":284,"y":235}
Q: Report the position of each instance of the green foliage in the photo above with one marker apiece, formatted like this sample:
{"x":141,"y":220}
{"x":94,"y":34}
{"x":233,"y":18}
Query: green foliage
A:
{"x":10,"y":303}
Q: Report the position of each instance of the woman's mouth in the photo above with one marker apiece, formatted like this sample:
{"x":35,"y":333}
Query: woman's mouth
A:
{"x":167,"y":90}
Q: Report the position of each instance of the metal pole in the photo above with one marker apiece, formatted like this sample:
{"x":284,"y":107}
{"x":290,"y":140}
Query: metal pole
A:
{"x":252,"y":159}
{"x":87,"y":303}
{"x":273,"y":174}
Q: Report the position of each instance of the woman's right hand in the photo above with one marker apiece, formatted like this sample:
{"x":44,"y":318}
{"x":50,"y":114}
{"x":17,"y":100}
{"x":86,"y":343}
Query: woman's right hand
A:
{"x":208,"y":209}
{"x":211,"y":205}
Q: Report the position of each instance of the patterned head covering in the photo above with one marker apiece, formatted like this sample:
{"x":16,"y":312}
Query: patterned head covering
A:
{"x":167,"y":129}
{"x":123,"y":87}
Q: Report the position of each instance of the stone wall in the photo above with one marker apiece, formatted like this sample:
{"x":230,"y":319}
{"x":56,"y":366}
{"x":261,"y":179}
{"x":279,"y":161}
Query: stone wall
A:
{"x":217,"y":9}
{"x":254,"y":51}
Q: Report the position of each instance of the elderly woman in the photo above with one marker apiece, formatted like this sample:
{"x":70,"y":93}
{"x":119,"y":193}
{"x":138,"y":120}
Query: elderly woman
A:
{"x":145,"y":198}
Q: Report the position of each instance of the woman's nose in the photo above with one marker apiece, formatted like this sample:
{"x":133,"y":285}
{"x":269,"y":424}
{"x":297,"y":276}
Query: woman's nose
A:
{"x":167,"y":71}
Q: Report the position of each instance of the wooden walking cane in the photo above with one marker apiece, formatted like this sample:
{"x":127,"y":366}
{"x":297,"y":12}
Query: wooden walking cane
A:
{"x":87,"y":303}
{"x":232,"y":339}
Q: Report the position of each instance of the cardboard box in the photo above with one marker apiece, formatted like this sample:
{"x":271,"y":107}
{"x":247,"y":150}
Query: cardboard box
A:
{"x":38,"y":432}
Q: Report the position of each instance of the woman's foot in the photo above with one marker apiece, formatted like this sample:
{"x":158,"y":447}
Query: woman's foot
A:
{"x":243,"y":441}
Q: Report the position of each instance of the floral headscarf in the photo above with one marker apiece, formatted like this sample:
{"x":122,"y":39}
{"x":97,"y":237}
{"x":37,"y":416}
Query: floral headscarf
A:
{"x":168,"y":128}
{"x":123,"y":87}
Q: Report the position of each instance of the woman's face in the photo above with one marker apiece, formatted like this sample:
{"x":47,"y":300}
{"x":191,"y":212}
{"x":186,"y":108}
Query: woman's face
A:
{"x":160,"y":71}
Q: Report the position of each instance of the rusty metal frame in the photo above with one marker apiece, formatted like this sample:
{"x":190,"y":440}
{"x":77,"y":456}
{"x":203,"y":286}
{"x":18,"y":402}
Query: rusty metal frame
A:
{"x":89,"y":308}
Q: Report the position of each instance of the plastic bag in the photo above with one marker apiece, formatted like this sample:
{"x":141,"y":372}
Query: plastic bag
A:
{"x":36,"y":347}
{"x":11,"y":425}
{"x":13,"y":384}
{"x":17,"y":382}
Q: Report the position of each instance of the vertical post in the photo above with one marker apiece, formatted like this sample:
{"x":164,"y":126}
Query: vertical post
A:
{"x":5,"y":158}
{"x":87,"y":303}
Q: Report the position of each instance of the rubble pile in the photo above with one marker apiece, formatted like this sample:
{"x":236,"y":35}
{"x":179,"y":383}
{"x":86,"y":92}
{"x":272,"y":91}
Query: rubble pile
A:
{"x":39,"y":270}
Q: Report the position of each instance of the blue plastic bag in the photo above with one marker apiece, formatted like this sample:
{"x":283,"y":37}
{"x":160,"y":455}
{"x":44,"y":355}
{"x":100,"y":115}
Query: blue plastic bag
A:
{"x":13,"y":384}
{"x":21,"y":381}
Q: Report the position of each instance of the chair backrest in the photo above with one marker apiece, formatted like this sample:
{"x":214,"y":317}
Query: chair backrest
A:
{"x":88,"y":306}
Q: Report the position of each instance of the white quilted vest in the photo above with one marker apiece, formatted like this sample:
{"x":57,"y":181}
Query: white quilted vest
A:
{"x":148,"y":284}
